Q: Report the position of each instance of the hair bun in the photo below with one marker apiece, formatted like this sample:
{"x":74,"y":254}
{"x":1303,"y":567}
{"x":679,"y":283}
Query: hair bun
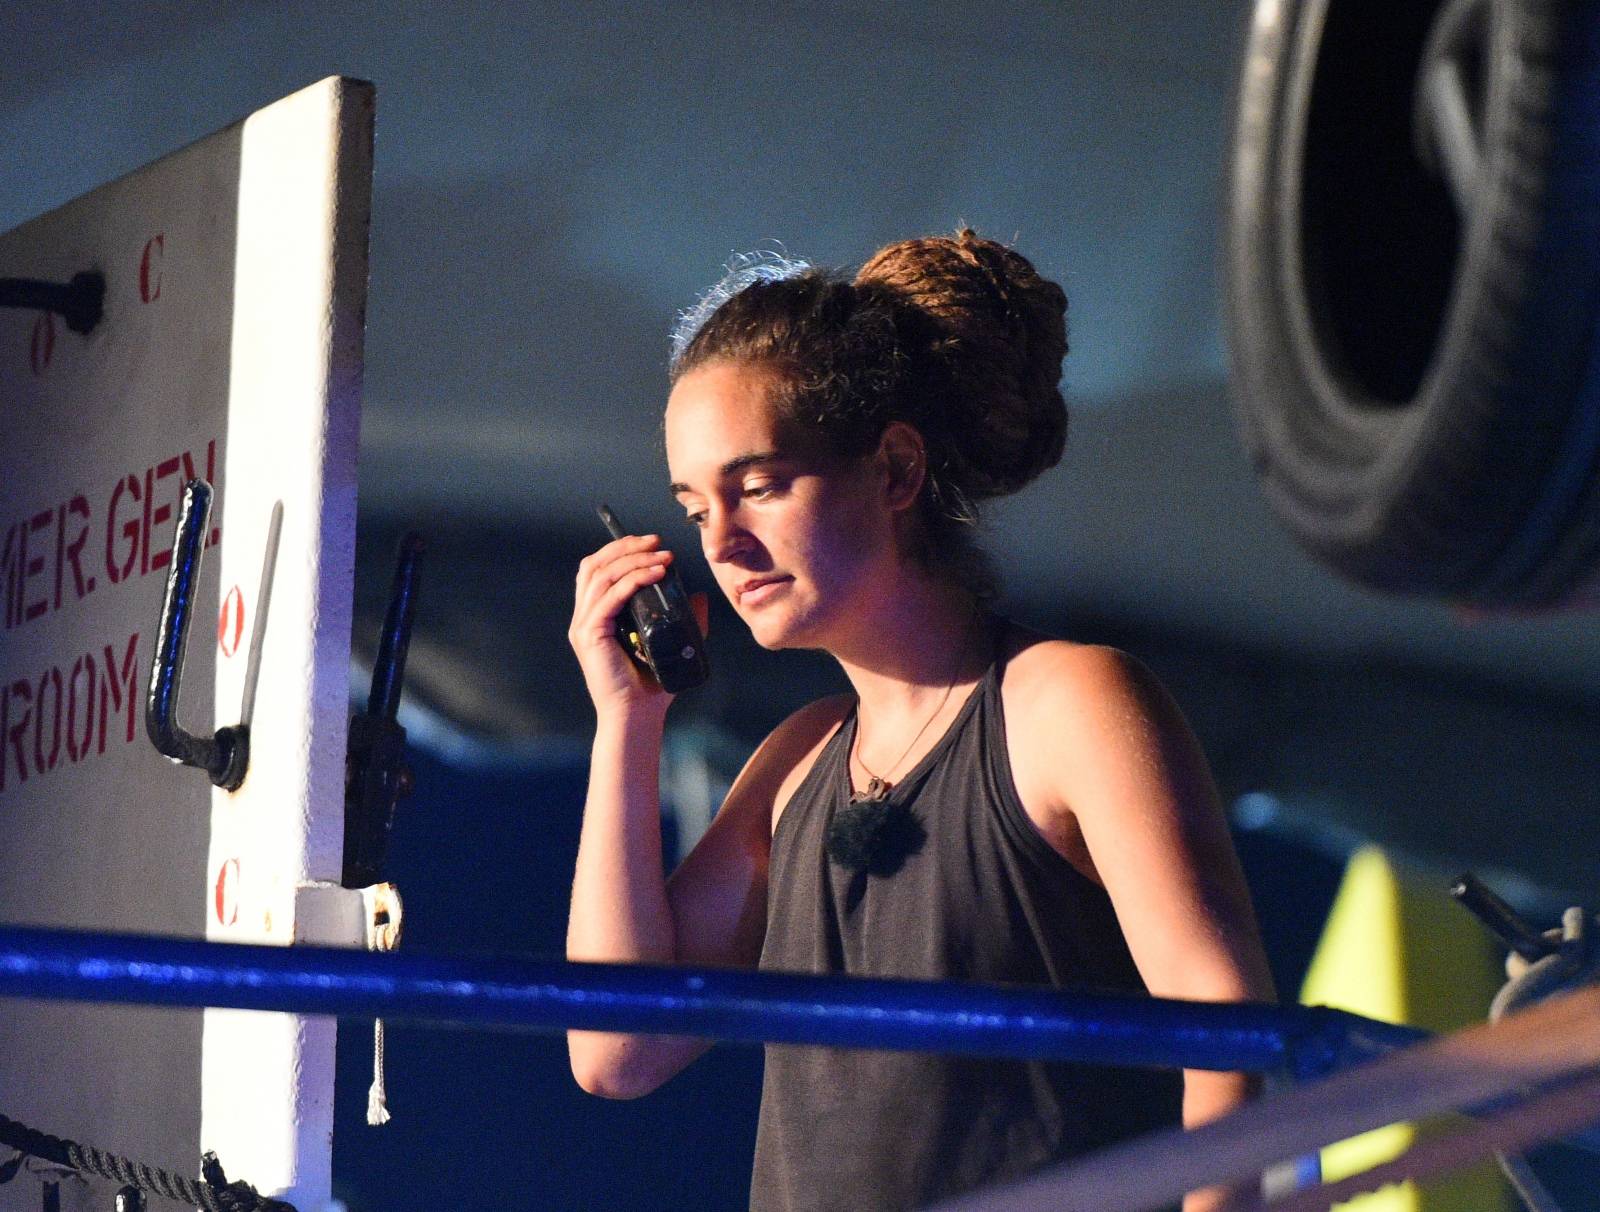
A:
{"x":998,"y":334}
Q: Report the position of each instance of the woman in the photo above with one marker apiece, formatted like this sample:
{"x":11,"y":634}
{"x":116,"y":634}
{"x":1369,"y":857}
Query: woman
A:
{"x":989,"y":804}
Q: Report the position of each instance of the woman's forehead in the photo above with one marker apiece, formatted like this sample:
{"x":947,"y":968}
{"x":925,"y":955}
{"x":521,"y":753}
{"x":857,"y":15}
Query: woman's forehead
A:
{"x":717,"y":412}
{"x":733,"y":387}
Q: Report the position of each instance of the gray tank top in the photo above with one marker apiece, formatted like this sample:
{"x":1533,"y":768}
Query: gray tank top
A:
{"x":979,"y":896}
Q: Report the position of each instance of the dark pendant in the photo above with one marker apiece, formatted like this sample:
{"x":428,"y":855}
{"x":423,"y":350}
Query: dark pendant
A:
{"x":872,"y":835}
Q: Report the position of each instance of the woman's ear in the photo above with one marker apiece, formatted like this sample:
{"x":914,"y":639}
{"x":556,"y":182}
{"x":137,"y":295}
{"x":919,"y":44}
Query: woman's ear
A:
{"x":902,"y":459}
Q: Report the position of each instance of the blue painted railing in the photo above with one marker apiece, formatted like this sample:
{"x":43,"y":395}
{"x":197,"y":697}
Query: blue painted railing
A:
{"x":549,"y":995}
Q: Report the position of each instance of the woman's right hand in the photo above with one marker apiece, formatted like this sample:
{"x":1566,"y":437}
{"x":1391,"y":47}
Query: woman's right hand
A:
{"x":606,"y":580}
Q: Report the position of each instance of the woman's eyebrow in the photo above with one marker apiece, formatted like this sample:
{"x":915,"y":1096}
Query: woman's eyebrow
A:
{"x":733,"y":466}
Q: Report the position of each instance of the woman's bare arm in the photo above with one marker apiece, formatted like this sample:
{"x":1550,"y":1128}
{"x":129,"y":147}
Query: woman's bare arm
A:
{"x":1125,"y":773}
{"x":713,"y":909}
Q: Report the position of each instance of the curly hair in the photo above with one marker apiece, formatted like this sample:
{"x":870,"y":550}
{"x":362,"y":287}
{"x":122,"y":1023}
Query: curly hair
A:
{"x":958,"y":336}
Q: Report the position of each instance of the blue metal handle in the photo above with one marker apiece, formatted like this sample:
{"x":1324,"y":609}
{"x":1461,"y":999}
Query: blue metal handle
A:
{"x":225,"y":756}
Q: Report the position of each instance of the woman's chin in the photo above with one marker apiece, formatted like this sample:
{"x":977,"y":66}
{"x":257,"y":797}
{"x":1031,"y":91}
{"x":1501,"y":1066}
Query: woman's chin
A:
{"x":775,"y":629}
{"x":769,"y":633}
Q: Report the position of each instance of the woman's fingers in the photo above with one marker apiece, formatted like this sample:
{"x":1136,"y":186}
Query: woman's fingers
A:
{"x":610,"y":586}
{"x":614,"y":596}
{"x":606,"y":580}
{"x":599,"y":561}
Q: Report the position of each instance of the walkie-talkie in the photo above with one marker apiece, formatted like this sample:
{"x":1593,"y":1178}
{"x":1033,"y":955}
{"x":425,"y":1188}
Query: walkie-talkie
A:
{"x":659,"y":630}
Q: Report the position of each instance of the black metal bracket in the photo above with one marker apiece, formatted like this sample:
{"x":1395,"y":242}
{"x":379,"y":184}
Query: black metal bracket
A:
{"x":225,"y":756}
{"x":376,"y":776}
{"x":1500,"y":919}
{"x":80,"y":302}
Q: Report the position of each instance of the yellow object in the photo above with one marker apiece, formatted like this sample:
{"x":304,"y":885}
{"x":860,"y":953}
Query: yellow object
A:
{"x":1397,"y":948}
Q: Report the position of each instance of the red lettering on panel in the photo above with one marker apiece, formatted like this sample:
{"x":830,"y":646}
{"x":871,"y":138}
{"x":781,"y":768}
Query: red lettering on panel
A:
{"x":150,"y":267}
{"x":10,"y":557}
{"x":5,"y":723}
{"x":21,"y":697}
{"x":32,"y":568}
{"x":230,"y":622}
{"x":42,"y":716}
{"x":79,"y":739}
{"x":61,"y":544}
{"x":161,"y":551}
{"x":73,"y":551}
{"x":42,"y":345}
{"x":118,"y":688}
{"x":45,"y":756}
{"x":130,"y":531}
{"x":227,"y":892}
{"x":144,"y":539}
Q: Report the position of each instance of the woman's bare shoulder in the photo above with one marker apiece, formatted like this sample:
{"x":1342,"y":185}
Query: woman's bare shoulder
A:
{"x":807,"y":727}
{"x":1046,"y":668}
{"x":1071,"y":707}
{"x":825,"y":713}
{"x":789,"y":751}
{"x":804,"y":735}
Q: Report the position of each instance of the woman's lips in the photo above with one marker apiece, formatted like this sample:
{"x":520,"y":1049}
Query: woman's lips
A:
{"x":759,"y":593}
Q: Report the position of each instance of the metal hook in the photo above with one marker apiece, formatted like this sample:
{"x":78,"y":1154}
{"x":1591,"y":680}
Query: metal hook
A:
{"x":81,"y":302}
{"x":376,"y":775}
{"x":225,"y":756}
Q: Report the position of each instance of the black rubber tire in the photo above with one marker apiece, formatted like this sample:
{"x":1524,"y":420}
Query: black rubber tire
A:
{"x":1420,"y":394}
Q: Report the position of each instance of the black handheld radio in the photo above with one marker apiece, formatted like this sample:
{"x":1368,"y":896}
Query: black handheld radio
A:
{"x":659,"y":630}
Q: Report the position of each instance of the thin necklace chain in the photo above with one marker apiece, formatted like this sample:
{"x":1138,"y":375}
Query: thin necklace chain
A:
{"x":878,"y":786}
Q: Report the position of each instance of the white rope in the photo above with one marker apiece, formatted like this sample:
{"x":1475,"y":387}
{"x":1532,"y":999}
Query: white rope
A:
{"x":377,"y":1095}
{"x":381,"y":903}
{"x":1554,"y":1040}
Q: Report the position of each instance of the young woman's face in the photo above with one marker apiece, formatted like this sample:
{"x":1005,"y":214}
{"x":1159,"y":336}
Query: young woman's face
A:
{"x":790,"y":535}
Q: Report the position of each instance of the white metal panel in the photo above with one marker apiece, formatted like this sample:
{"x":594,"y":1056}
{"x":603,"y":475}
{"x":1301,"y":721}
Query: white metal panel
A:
{"x":304,"y":207}
{"x":246,"y":250}
{"x":97,"y":434}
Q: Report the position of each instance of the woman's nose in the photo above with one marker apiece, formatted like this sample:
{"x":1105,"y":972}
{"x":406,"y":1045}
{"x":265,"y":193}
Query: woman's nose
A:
{"x":723,"y":536}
